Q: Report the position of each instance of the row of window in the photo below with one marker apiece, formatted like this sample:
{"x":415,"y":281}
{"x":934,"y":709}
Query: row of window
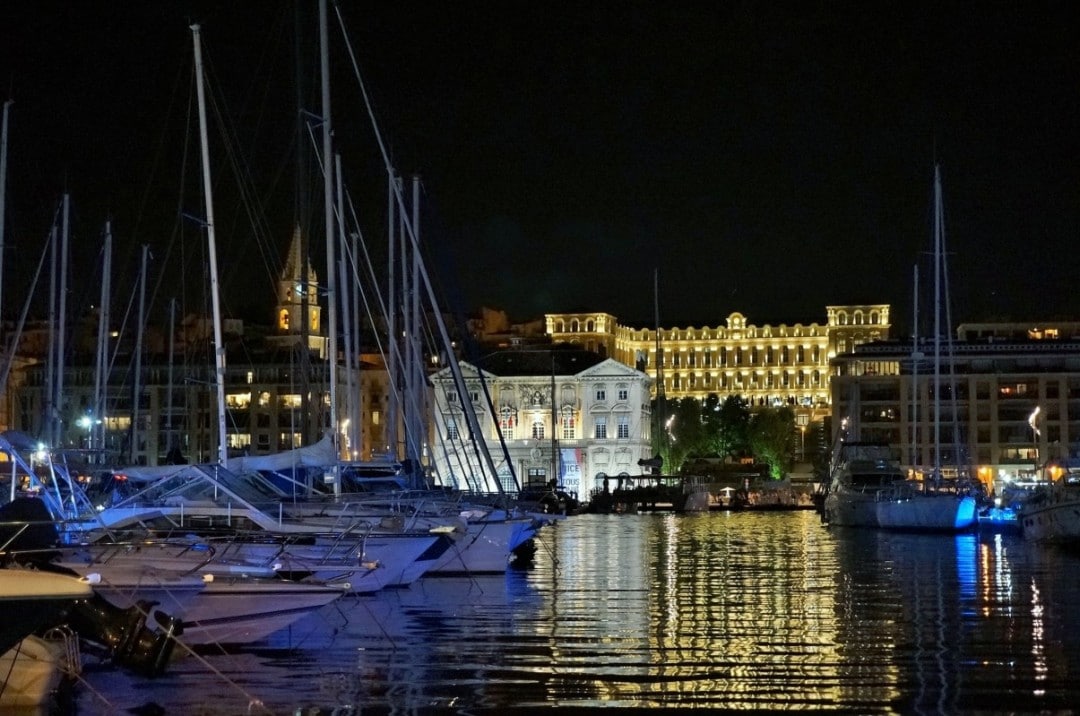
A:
{"x":1019,"y":391}
{"x":740,"y":381}
{"x":720,"y":358}
{"x":567,"y":424}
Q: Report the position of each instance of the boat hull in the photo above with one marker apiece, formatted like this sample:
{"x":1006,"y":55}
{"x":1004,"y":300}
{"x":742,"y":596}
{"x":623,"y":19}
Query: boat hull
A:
{"x":849,"y":508}
{"x":485,"y":548}
{"x":30,"y":599}
{"x":32,"y":671}
{"x":246,"y":610}
{"x":1052,"y":518}
{"x":929,"y":513}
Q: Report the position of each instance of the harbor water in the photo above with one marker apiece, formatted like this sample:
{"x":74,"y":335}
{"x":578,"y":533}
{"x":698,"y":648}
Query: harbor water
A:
{"x":734,"y":611}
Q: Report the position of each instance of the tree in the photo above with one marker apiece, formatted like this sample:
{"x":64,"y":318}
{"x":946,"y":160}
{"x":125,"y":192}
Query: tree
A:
{"x":725,"y":425}
{"x":772,"y":439}
{"x":680,"y":433}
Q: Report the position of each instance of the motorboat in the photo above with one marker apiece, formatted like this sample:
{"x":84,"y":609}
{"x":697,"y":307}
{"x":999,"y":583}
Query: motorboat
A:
{"x":861,"y":472}
{"x":32,"y":601}
{"x":1052,"y":512}
{"x":241,"y":610}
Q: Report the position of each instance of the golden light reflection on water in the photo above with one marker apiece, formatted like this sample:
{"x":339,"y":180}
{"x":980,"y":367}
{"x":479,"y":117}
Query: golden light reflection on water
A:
{"x":740,"y":609}
{"x":753,"y":610}
{"x":736,"y":611}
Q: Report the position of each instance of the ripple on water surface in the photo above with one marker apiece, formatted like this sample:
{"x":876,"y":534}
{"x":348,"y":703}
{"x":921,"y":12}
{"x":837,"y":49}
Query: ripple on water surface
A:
{"x":738,"y":611}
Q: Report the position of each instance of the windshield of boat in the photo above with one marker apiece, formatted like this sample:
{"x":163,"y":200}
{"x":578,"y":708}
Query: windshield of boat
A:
{"x":874,"y":479}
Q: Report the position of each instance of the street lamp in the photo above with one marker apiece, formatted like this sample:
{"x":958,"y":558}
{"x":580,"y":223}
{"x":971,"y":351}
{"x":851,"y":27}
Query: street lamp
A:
{"x":1035,"y":437}
{"x":84,"y":422}
{"x":802,"y":420}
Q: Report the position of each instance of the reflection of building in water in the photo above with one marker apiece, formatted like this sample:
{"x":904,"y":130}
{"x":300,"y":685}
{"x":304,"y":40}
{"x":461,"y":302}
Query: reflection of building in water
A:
{"x":731,"y":609}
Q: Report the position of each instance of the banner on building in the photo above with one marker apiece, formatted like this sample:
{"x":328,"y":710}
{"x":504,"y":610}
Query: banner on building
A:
{"x":570,"y":467}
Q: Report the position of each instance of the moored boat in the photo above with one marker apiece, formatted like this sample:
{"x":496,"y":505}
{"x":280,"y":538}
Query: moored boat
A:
{"x":911,"y":506}
{"x":861,"y":472}
{"x":1052,"y":512}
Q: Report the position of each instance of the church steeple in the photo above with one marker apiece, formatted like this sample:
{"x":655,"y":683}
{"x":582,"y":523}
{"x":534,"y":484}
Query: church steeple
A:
{"x":291,"y":288}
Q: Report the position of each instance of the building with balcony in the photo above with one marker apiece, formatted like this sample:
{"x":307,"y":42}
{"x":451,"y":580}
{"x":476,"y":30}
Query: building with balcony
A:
{"x":1006,"y":405}
{"x":767,"y":365}
{"x":563,"y":414}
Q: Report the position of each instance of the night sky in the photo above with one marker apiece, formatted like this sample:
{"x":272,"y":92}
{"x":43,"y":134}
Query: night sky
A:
{"x":765,"y":160}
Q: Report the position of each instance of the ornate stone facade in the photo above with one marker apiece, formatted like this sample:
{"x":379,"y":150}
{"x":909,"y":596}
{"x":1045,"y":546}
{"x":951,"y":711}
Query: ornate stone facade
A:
{"x":768,"y":365}
{"x":573,"y":418}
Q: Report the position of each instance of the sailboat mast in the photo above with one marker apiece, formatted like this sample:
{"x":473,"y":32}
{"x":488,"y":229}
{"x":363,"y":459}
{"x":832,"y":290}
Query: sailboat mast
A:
{"x":208,"y":193}
{"x":915,"y":356}
{"x":554,"y":427}
{"x":169,"y":395}
{"x":100,"y":374}
{"x":61,"y":332}
{"x":328,"y":212}
{"x":937,"y":323}
{"x":3,"y":200}
{"x":393,"y":410}
{"x":660,"y":439}
{"x":50,"y":373}
{"x":137,"y":389}
{"x":416,"y":361}
{"x":346,"y":314}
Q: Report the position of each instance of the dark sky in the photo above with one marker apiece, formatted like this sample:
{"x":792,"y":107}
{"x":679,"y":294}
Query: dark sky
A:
{"x":765,"y":160}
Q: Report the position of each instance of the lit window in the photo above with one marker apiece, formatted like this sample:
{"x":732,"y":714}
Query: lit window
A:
{"x":507,"y":422}
{"x":238,"y":441}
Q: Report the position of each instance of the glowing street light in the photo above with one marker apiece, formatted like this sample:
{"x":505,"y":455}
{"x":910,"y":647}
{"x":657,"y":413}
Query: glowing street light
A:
{"x":1035,"y":436}
{"x":802,"y":419}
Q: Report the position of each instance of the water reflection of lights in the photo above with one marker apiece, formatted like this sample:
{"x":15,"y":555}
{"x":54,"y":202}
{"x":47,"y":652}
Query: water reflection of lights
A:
{"x":1038,"y":647}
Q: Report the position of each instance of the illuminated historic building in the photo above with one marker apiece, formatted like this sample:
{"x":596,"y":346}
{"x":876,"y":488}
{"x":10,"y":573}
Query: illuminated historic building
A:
{"x":767,"y":365}
{"x":564,"y":414}
{"x":1015,"y":396}
{"x":266,"y":379}
{"x":297,"y":289}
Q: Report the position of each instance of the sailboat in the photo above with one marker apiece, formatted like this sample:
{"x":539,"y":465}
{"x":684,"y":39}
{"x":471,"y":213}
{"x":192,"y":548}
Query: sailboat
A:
{"x":934,"y":503}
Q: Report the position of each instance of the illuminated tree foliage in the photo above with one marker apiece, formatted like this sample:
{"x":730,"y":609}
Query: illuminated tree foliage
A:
{"x":682,"y":433}
{"x":725,"y":425}
{"x":772,"y":438}
{"x":689,"y":428}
